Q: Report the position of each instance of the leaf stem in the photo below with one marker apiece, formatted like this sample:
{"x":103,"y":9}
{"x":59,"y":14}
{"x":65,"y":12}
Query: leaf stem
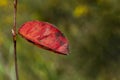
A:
{"x":14,"y":39}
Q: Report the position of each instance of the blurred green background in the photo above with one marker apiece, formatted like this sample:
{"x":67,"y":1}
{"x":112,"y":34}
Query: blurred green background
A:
{"x":93,"y":30}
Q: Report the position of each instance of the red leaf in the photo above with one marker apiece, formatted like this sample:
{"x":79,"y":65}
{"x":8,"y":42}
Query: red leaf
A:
{"x":45,"y":35}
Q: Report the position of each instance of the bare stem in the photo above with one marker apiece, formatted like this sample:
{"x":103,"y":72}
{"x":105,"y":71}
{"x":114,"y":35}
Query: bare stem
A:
{"x":14,"y":39}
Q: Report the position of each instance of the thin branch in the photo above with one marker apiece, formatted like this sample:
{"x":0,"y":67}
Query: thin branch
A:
{"x":15,"y":11}
{"x":14,"y":39}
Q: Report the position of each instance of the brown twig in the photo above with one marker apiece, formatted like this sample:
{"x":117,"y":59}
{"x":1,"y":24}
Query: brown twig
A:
{"x":14,"y":39}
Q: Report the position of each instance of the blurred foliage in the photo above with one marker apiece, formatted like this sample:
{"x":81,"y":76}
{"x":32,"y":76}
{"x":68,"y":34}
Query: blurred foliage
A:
{"x":93,"y":30}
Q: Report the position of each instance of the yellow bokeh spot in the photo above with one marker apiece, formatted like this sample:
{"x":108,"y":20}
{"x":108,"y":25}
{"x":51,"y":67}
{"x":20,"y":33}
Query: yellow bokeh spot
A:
{"x":3,"y":3}
{"x":80,"y":10}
